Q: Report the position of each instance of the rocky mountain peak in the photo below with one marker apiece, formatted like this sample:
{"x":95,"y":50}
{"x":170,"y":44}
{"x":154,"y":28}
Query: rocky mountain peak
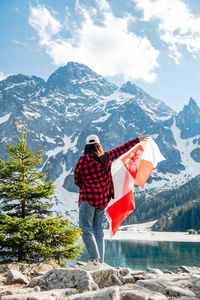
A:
{"x":20,"y":79}
{"x":131,"y":88}
{"x":151,"y":105}
{"x":74,"y":103}
{"x":188,"y":120}
{"x":193,"y":106}
{"x":21,"y":87}
{"x":76,"y":77}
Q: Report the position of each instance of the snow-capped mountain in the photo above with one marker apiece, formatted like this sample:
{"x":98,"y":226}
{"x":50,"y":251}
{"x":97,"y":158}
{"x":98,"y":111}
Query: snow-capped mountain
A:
{"x":75,"y":102}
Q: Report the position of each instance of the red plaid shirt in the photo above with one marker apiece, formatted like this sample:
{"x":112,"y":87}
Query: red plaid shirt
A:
{"x":94,"y":180}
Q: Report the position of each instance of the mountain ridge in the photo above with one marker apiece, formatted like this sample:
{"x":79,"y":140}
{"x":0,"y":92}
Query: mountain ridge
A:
{"x":59,"y":118}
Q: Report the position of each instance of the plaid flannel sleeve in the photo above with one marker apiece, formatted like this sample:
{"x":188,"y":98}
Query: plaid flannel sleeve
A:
{"x":77,"y":173}
{"x":115,"y":153}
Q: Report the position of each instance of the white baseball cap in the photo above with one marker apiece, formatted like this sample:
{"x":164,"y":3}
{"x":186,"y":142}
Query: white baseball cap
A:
{"x":92,"y":139}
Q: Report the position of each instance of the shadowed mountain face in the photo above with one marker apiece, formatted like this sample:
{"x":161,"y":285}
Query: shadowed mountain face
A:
{"x":188,"y":120}
{"x":75,"y":102}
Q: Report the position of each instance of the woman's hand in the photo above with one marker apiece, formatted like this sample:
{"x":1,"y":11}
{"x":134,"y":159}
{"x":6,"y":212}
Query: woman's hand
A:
{"x":143,"y":138}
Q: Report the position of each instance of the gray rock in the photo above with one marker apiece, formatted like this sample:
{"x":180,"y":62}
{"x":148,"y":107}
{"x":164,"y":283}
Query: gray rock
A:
{"x":36,"y":289}
{"x":15,"y":276}
{"x":166,"y":287}
{"x":4,"y":268}
{"x":124,"y":271}
{"x":128,"y":279}
{"x":139,"y":277}
{"x":106,"y":277}
{"x":186,"y":298}
{"x":186,"y":269}
{"x":168,"y":272}
{"x":196,"y":283}
{"x":137,"y":273}
{"x":15,"y":291}
{"x":111,"y":293}
{"x":27,"y":268}
{"x":154,"y":271}
{"x":46,"y":295}
{"x":158,"y":285}
{"x":65,"y":278}
{"x":134,"y":292}
{"x":80,"y":264}
{"x":176,"y":291}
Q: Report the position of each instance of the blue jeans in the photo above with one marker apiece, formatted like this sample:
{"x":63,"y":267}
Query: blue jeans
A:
{"x":91,"y":223}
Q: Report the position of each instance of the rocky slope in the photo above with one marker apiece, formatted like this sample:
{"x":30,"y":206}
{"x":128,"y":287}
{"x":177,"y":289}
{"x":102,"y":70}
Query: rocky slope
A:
{"x":21,"y":282}
{"x":75,"y":102}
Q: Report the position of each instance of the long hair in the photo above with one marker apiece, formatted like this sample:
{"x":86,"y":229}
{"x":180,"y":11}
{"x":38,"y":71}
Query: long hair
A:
{"x":94,"y":148}
{"x":98,"y":150}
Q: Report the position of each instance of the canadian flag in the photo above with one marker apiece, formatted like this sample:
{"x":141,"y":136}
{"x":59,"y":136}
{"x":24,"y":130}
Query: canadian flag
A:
{"x":133,"y":167}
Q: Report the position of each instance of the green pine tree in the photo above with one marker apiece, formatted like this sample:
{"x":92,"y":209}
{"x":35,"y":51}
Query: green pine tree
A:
{"x":26,"y":230}
{"x":23,"y":189}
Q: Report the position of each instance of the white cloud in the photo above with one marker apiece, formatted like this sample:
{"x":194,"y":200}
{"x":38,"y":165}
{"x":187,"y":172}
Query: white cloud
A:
{"x":108,"y":48}
{"x":178,"y":27}
{"x":44,"y":23}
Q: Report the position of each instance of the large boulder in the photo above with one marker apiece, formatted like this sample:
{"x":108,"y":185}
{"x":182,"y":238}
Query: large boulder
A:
{"x":45,"y":295}
{"x":176,"y":291}
{"x":132,"y":291}
{"x":157,"y":285}
{"x":14,"y":276}
{"x":107,"y":277}
{"x":16,"y":291}
{"x":166,"y":287}
{"x":188,"y":270}
{"x":65,"y":278}
{"x":28,"y":269}
{"x":186,"y":298}
{"x":111,"y":293}
{"x":154,"y":271}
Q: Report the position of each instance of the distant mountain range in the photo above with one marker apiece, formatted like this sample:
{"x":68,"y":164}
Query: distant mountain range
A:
{"x":75,"y":102}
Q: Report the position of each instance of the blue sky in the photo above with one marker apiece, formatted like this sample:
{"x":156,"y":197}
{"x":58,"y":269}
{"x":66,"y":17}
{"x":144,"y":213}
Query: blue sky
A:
{"x":153,"y":43}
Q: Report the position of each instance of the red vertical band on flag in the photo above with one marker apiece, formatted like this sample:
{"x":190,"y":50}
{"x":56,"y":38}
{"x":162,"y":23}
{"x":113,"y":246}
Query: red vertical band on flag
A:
{"x":143,"y":173}
{"x":120,"y":210}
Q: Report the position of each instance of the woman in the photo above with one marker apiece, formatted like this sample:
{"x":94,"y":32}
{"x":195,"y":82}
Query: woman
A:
{"x":92,"y":175}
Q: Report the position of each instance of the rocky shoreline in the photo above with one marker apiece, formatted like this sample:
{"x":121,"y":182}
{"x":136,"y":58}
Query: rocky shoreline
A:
{"x":42,"y":281}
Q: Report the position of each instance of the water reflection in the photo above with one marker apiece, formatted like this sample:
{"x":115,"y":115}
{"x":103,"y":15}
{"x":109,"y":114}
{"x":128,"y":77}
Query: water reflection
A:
{"x":140,"y":255}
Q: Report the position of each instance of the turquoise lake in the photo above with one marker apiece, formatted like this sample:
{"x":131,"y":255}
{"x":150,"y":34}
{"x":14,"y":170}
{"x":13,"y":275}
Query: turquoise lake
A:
{"x":139,"y":255}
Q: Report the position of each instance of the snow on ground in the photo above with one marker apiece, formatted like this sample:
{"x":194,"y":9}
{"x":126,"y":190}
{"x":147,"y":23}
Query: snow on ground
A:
{"x":143,"y":232}
{"x":139,"y":227}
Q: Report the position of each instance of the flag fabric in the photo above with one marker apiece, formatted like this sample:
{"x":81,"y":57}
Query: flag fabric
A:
{"x":132,"y":168}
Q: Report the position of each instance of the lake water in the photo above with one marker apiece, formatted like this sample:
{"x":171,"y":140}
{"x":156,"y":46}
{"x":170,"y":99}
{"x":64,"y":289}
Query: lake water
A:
{"x":139,"y":255}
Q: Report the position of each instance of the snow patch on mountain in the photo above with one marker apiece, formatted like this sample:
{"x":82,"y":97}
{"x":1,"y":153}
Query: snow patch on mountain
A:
{"x":75,"y":102}
{"x":29,"y":115}
{"x":46,"y":138}
{"x":25,"y":83}
{"x":4,"y":118}
{"x":69,"y":144}
{"x":65,"y":201}
{"x":102,"y":119}
{"x":185,"y":147}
